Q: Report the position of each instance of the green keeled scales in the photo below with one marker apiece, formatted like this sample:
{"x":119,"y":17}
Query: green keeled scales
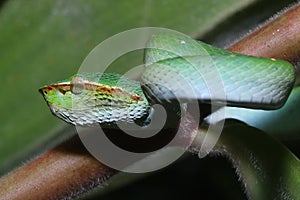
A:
{"x":176,"y":66}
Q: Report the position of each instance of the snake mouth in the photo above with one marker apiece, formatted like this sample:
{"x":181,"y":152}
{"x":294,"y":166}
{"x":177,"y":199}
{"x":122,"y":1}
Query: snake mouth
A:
{"x":42,"y":91}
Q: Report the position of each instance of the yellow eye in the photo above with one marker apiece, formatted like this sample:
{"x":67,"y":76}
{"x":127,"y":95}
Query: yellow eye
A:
{"x":77,"y":85}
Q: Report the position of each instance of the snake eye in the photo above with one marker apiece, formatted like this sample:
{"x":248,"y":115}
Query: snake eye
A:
{"x":77,"y":85}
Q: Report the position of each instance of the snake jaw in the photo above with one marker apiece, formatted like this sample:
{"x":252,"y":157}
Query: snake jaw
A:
{"x":84,"y":101}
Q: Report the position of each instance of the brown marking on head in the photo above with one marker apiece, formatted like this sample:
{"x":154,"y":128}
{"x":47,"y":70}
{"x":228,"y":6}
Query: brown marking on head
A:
{"x":96,"y":87}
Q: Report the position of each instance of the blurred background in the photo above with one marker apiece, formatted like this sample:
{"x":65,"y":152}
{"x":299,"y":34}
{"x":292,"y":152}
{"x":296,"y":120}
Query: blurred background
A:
{"x":45,"y":41}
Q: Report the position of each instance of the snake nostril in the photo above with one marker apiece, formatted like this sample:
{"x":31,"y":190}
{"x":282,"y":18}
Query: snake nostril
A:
{"x":42,"y":91}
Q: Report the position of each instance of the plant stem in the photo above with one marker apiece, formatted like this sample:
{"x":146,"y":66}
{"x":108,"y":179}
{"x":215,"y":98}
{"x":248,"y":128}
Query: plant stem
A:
{"x":69,"y":170}
{"x":63,"y":172}
{"x":266,"y":168}
{"x":280,"y":38}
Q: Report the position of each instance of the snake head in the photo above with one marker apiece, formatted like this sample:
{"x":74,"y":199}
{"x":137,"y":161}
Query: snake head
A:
{"x":86,"y":99}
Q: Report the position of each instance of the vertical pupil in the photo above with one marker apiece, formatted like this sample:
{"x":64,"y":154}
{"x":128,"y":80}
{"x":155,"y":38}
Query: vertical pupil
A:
{"x":77,"y":85}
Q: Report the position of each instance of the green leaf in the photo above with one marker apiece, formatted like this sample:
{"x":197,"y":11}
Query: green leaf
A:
{"x":282,"y":123}
{"x":45,"y":41}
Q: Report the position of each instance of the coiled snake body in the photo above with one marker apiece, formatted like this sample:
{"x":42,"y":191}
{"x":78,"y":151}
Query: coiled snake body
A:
{"x":175,"y":67}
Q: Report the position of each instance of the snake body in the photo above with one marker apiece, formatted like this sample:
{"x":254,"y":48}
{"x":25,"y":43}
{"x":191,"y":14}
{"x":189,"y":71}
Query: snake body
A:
{"x":175,"y":67}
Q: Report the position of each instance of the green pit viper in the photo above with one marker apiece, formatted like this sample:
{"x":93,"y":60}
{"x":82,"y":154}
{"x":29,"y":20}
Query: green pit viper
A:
{"x":170,"y":61}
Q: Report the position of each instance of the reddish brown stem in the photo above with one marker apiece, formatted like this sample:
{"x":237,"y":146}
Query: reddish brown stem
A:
{"x":65,"y":171}
{"x":279,"y":38}
{"x":69,"y":169}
